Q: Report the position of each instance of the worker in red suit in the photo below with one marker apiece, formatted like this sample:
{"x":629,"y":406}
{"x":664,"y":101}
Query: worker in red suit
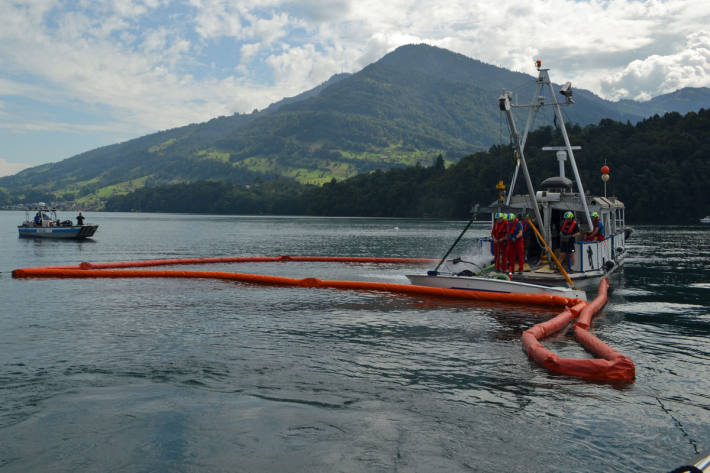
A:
{"x":498,"y":235}
{"x":516,"y":245}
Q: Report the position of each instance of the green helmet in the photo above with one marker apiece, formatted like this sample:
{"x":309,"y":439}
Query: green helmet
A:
{"x":512,"y":217}
{"x":569,"y":215}
{"x":595,"y":214}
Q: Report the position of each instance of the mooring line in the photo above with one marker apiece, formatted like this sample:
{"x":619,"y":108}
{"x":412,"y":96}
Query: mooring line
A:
{"x":679,"y":424}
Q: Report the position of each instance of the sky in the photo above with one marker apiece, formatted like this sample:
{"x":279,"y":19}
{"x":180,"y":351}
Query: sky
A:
{"x":79,"y":74}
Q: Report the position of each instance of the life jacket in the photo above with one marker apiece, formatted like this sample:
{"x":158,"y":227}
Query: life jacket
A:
{"x":599,"y":236}
{"x":495,"y":231}
{"x":513,"y":229}
{"x":502,"y":230}
{"x":569,"y":227}
{"x":526,"y":227}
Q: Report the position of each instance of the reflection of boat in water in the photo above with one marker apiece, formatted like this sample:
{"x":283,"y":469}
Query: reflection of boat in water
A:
{"x":546,"y":208}
{"x":46,"y":224}
{"x":705,"y":219}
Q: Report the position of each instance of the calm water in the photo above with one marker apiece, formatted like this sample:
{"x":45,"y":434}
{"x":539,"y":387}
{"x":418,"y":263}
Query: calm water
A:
{"x":217,"y":376}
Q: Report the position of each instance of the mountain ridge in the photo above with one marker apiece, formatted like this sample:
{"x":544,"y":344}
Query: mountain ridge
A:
{"x":410,"y":106}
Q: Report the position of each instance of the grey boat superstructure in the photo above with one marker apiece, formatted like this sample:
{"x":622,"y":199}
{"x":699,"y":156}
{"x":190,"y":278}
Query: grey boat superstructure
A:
{"x":560,"y":194}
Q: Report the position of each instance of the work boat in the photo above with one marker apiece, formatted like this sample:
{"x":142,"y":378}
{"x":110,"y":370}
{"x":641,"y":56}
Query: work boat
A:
{"x":46,"y":224}
{"x":544,"y":212}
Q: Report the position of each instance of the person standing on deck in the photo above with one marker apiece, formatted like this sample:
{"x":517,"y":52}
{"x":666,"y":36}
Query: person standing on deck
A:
{"x":527,"y":235}
{"x":496,"y":235}
{"x":503,"y":241}
{"x":516,"y":247}
{"x":80,"y":219}
{"x":568,"y":234}
{"x":598,"y":231}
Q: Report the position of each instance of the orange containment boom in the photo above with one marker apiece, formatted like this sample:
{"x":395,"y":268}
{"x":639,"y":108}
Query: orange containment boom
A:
{"x":611,"y":366}
{"x":103,"y":270}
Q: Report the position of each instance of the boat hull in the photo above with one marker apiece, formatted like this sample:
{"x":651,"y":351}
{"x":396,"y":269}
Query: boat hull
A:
{"x":473,"y":283}
{"x":547,"y":275}
{"x":67,"y":233}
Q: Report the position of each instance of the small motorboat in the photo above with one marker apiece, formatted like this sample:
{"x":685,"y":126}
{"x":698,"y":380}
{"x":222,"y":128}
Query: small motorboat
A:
{"x":487,"y":281}
{"x":705,"y":219}
{"x":46,"y":224}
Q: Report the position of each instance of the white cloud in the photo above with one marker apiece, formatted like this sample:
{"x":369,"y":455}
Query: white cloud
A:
{"x":156,"y":64}
{"x":15,"y":128}
{"x":8,"y":168}
{"x":644,"y":78}
{"x":320,"y":11}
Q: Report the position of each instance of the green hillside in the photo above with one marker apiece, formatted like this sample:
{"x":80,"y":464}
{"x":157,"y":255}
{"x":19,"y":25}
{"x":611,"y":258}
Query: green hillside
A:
{"x":659,"y":169}
{"x":412,"y":105}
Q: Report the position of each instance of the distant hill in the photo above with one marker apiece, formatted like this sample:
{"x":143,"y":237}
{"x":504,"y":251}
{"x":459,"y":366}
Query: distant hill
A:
{"x":413,"y":104}
{"x":688,"y":99}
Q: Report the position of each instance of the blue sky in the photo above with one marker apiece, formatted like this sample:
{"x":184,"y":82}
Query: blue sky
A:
{"x":79,"y":74}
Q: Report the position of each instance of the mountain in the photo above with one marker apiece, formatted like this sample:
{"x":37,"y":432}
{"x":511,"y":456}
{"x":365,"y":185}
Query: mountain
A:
{"x":688,"y":99}
{"x":410,"y":106}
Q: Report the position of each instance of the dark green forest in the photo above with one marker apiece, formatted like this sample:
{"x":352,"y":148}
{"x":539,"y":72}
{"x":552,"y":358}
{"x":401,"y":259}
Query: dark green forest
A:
{"x":659,"y":169}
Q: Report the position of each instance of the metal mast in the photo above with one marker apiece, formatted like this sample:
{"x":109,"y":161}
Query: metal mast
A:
{"x":538,"y":101}
{"x":504,"y":104}
{"x":544,"y":77}
{"x":525,"y":138}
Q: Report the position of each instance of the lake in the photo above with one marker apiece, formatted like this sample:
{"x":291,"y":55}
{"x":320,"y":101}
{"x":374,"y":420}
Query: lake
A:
{"x":146,"y":375}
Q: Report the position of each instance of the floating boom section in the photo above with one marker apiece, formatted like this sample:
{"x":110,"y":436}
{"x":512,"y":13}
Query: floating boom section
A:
{"x":244,"y":259}
{"x":611,"y":366}
{"x":112,"y":270}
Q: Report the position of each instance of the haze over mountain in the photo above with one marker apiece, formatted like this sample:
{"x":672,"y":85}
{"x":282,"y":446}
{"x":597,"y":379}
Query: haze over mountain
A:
{"x":410,"y":106}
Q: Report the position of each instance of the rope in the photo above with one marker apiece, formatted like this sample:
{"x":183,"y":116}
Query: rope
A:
{"x":680,"y":426}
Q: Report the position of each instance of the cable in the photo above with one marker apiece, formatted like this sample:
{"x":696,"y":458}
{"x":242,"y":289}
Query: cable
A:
{"x":680,"y":426}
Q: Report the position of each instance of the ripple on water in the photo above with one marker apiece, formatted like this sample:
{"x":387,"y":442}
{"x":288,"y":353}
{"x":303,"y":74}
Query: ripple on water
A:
{"x":648,"y":308}
{"x":632,"y":291}
{"x":700,"y":285}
